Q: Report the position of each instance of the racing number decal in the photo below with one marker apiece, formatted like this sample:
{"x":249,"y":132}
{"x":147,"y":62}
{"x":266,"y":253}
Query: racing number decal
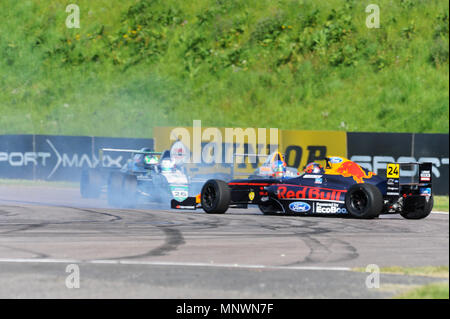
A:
{"x":393,"y":171}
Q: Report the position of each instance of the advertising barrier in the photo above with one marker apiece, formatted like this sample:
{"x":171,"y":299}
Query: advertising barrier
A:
{"x":374,"y":150}
{"x":303,"y":147}
{"x":59,"y":158}
{"x":62,"y":158}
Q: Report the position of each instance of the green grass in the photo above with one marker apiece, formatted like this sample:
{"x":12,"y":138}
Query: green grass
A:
{"x":291,"y":64}
{"x":430,"y":291}
{"x":440,"y":203}
{"x":428,"y":271}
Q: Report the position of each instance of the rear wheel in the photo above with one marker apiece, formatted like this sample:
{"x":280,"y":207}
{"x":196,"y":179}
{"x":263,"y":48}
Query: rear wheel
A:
{"x":364,"y":201}
{"x":215,"y":196}
{"x":419,"y":212}
{"x":90,"y":183}
{"x":129,"y":190}
{"x":115,"y":197}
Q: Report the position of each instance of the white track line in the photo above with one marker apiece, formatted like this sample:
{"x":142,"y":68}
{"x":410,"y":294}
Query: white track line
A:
{"x":165,"y":263}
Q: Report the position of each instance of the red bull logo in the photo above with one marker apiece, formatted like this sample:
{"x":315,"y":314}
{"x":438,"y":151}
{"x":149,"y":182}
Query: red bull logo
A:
{"x":351,"y":169}
{"x":310,"y":193}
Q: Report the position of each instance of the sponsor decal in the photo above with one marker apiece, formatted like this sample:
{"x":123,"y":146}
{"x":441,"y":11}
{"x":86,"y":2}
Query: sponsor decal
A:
{"x":311,"y":176}
{"x":318,"y":181}
{"x":425,"y":191}
{"x":330,"y":208}
{"x":299,"y":207}
{"x":251,"y":195}
{"x":393,"y":187}
{"x":392,"y":181}
{"x":425,"y":176}
{"x":179,"y":194}
{"x":264,"y":198}
{"x":310,"y":193}
{"x":335,"y":160}
{"x":351,"y":169}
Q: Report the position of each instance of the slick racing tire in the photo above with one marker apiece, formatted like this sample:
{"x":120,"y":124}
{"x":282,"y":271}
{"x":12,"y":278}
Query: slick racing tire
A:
{"x":215,"y":196}
{"x":115,"y":194}
{"x":364,"y":201}
{"x":90,"y":183}
{"x":419,"y":213}
{"x":129,"y":191}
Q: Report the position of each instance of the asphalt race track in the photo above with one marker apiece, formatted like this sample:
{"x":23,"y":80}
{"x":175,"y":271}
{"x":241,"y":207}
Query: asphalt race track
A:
{"x":155,"y":252}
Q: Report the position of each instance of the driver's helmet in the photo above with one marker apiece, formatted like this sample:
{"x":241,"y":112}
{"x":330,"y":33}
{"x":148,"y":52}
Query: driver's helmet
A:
{"x":150,"y":159}
{"x":279,"y":168}
{"x":314,"y":168}
{"x":142,"y":159}
{"x":167,"y":165}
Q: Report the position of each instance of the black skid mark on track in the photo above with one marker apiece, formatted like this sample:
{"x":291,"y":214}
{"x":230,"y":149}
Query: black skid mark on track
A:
{"x":173,"y":239}
{"x":24,"y":228}
{"x":323,"y":250}
{"x":327,"y":250}
{"x":91,"y":211}
{"x":36,"y":254}
{"x":200,"y":221}
{"x":6,"y":213}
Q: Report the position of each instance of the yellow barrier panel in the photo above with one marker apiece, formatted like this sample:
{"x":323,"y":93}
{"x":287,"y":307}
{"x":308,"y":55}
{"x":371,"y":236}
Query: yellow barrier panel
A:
{"x":300,"y":147}
{"x":303,"y":147}
{"x":201,"y":141}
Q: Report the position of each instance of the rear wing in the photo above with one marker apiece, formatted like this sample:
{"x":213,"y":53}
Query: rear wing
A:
{"x":118,"y":150}
{"x":393,"y":177}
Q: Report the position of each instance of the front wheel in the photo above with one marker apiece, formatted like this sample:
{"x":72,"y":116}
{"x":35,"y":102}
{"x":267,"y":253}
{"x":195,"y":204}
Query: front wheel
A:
{"x":364,"y":201}
{"x":215,"y":196}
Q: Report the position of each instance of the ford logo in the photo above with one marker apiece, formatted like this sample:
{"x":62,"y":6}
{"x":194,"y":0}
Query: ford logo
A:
{"x":335,"y":160}
{"x":299,"y":207}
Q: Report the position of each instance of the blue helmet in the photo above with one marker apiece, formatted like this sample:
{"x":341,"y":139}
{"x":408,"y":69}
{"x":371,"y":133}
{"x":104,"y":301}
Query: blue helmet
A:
{"x":279,"y":168}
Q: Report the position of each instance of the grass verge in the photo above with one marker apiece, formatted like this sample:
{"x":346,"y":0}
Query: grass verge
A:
{"x":441,"y":203}
{"x":431,"y":291}
{"x":427,"y":271}
{"x":291,"y":64}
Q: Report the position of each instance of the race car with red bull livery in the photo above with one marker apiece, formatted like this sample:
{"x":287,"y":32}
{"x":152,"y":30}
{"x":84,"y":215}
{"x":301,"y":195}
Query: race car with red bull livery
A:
{"x":341,"y":188}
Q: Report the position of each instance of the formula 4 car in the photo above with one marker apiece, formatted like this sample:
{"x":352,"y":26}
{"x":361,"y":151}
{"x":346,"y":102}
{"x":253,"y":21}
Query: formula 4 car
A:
{"x":154,"y":176}
{"x":340,"y":188}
